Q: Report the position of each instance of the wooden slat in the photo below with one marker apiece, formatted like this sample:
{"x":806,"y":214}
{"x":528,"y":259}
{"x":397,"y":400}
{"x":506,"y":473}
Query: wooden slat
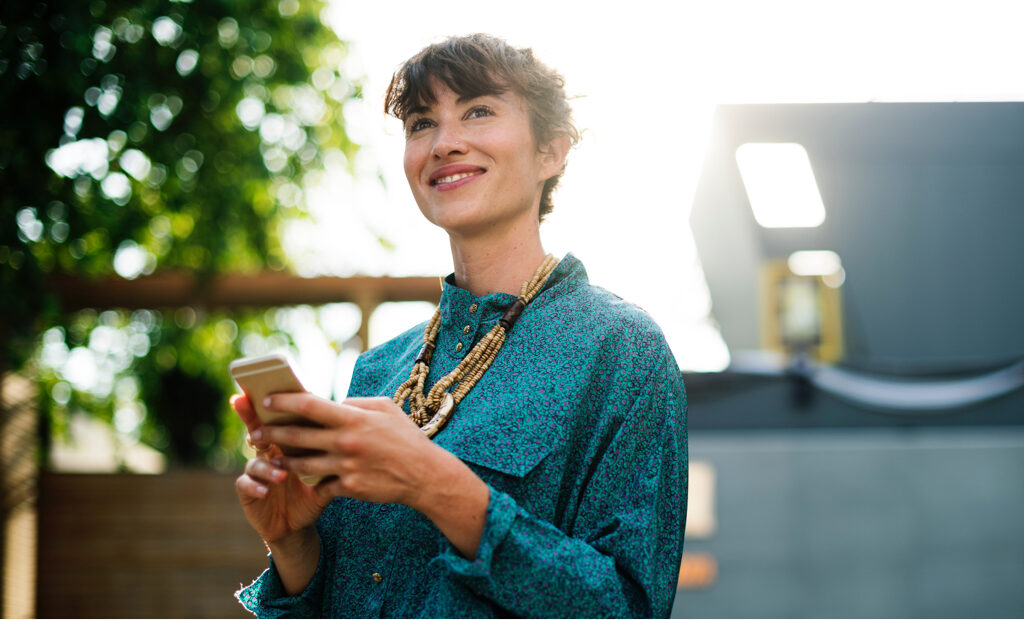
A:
{"x":176,"y":289}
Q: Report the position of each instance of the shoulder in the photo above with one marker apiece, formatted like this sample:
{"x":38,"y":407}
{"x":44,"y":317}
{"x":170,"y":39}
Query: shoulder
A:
{"x":606,"y":319}
{"x":614,"y":365}
{"x":632,"y":358}
{"x":592,"y":343}
{"x":580,"y":309}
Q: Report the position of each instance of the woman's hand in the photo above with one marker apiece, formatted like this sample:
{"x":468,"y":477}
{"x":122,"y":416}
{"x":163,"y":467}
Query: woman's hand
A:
{"x":370,"y":450}
{"x":278,"y":506}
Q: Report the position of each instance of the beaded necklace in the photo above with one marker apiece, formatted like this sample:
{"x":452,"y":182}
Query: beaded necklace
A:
{"x":431,"y":411}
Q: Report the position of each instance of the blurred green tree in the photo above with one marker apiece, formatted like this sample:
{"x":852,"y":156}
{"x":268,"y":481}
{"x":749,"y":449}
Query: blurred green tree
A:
{"x":154,"y":134}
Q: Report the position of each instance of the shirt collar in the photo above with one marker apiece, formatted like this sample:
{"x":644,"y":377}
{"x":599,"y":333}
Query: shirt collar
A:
{"x":456,"y":302}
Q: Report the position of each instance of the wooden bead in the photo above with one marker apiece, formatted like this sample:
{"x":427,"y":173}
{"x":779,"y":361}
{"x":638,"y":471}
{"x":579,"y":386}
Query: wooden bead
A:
{"x":512,"y":314}
{"x":470,"y":369}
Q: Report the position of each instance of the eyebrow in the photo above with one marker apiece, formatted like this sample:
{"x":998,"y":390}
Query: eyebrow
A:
{"x":422,"y":109}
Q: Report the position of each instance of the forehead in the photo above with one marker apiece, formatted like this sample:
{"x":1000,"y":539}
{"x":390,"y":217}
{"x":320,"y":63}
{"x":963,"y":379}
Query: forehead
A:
{"x":425,"y":90}
{"x":442,"y":95}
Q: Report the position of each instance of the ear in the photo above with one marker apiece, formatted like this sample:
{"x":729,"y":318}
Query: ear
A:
{"x":552,"y":156}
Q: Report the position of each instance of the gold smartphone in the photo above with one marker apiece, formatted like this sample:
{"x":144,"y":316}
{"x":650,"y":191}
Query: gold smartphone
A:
{"x":262,"y":376}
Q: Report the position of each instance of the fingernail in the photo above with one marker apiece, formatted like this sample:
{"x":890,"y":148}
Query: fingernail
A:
{"x":277,"y":462}
{"x":280,"y":474}
{"x":257,"y":435}
{"x":261,"y":490}
{"x":266,"y":402}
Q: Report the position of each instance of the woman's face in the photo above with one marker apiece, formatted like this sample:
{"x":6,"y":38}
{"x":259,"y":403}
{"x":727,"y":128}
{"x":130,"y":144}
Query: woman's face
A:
{"x":473,"y":165}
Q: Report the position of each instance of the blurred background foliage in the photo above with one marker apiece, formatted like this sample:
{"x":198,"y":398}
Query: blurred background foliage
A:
{"x":145,"y":135}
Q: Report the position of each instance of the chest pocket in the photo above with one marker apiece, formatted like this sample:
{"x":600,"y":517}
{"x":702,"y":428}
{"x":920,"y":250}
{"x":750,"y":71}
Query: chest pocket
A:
{"x":507,"y":442}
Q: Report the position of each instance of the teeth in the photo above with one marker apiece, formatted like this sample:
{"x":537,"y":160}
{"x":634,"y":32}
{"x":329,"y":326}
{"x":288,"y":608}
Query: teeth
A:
{"x":454,"y":177}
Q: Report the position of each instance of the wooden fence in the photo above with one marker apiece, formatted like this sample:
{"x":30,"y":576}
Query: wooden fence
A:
{"x":123,"y":545}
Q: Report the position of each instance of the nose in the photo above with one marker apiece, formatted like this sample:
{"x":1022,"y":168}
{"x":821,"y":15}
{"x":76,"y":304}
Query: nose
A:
{"x":447,"y":142}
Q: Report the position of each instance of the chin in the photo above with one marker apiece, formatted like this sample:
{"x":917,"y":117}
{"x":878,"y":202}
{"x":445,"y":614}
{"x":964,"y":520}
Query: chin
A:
{"x":470,"y":217}
{"x":455,"y":217}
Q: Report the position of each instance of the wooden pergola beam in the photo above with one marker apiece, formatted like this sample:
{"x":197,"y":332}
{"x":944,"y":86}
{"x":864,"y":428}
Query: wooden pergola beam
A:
{"x":177,"y":289}
{"x":268,"y":289}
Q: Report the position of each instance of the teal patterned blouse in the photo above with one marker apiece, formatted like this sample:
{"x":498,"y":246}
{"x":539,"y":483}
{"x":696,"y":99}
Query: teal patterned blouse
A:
{"x":579,"y":429}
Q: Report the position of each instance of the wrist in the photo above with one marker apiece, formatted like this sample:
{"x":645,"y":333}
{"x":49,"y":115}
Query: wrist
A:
{"x":447,"y":482}
{"x":296,"y":544}
{"x":296,"y":558}
{"x":455,"y":499}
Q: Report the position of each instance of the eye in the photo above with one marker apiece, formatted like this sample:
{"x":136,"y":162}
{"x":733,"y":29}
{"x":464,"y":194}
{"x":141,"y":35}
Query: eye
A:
{"x":418,"y":124}
{"x":479,"y":111}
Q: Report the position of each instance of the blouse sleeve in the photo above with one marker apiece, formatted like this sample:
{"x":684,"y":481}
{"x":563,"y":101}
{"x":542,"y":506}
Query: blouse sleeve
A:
{"x":267,"y":598}
{"x":622,"y":556}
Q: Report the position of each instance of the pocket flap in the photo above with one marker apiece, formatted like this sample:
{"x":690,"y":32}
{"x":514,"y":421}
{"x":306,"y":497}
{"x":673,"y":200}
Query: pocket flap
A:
{"x":510,"y":444}
{"x":509,"y":455}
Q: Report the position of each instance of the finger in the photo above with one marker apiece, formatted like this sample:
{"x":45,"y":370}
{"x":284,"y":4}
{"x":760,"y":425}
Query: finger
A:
{"x":318,"y":410}
{"x":376,"y":403}
{"x":317,"y":465}
{"x":263,"y":472}
{"x":255,"y":439}
{"x":306,"y":437}
{"x":249,"y":488}
{"x":242,"y":406}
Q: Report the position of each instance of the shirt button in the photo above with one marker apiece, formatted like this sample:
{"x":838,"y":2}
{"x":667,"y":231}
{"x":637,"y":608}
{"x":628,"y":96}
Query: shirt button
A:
{"x":465,"y":330}
{"x":458,"y":347}
{"x":377,"y":578}
{"x":473,"y":308}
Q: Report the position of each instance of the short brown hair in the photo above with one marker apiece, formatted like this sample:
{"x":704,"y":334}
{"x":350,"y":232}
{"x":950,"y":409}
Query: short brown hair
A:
{"x":477,"y":65}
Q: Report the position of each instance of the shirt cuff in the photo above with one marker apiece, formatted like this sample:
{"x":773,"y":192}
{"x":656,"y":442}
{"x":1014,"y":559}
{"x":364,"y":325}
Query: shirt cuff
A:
{"x":501,"y":512}
{"x":267,"y":598}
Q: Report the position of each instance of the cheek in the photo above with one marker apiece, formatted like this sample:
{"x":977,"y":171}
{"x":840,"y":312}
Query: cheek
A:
{"x":413,"y":163}
{"x":520,"y":153}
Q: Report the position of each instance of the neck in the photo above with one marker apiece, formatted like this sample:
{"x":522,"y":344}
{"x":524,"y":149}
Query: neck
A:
{"x":489,"y":265}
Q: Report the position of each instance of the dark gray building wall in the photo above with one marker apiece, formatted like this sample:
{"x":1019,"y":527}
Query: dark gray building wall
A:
{"x":911,"y":522}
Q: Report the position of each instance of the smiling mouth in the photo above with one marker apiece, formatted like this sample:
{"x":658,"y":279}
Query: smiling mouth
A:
{"x":455,"y":177}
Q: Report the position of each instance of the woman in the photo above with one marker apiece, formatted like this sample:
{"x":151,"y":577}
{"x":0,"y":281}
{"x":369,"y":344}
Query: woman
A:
{"x":523,"y":453}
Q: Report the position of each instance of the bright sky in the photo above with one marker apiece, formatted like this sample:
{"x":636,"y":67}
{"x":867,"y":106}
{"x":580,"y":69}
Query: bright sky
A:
{"x":647,"y":75}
